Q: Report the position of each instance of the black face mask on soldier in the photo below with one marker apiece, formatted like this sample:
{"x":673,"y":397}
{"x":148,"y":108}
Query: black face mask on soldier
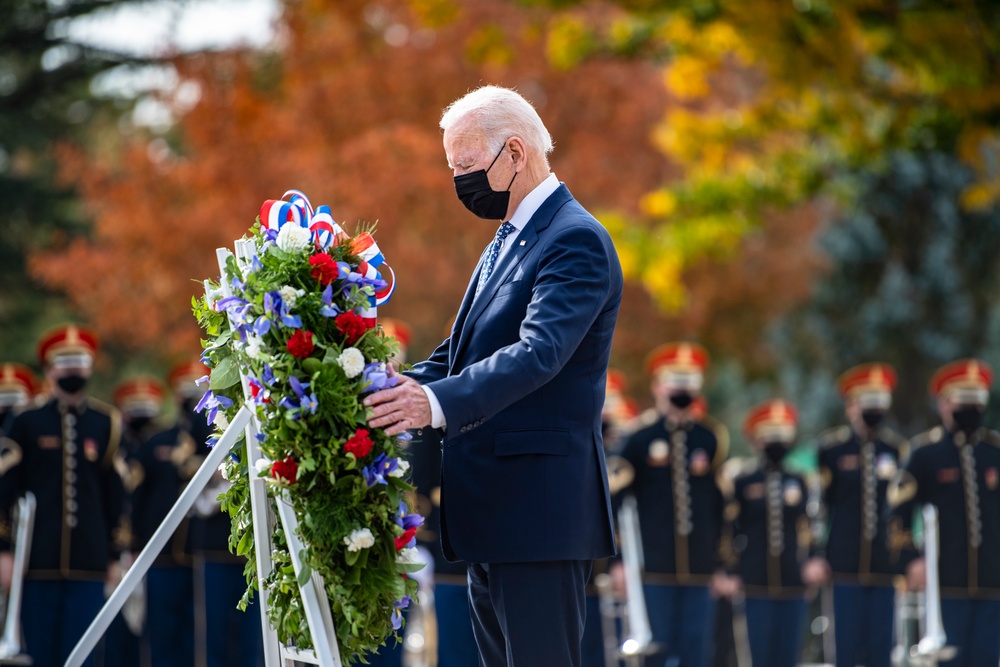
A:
{"x":474,"y":190}
{"x":72,"y":384}
{"x":872,"y":418}
{"x":681,"y":399}
{"x":775,"y":451}
{"x":968,"y":418}
{"x":139,"y":423}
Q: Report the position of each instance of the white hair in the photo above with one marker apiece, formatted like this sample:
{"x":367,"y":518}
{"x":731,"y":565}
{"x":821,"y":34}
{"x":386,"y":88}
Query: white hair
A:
{"x":501,"y":113}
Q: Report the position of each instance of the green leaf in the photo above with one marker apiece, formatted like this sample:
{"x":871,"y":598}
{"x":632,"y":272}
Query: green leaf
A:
{"x":225,"y":375}
{"x":304,"y":574}
{"x":409,"y":568}
{"x":351,"y":557}
{"x":245,"y":543}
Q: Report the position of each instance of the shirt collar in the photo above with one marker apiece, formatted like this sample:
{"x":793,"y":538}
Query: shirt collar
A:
{"x":533,"y":201}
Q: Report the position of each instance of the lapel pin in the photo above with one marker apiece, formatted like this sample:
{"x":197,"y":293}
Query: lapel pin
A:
{"x":522,"y":243}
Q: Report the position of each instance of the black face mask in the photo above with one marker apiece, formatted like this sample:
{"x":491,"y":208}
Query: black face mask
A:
{"x":775,"y":451}
{"x":139,"y":423}
{"x":872,"y":418}
{"x":681,"y":399}
{"x":968,"y":418}
{"x":72,"y":384}
{"x":475,"y":192}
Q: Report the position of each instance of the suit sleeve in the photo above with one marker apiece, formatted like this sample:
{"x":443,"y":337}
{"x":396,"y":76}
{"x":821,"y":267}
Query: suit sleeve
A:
{"x":574,"y":283}
{"x":434,"y":368}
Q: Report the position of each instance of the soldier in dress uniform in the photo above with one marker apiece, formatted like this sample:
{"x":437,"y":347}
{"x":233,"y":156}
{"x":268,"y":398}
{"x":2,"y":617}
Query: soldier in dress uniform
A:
{"x":771,"y":536}
{"x":956,"y":467}
{"x":68,"y":448}
{"x":17,"y":387}
{"x":168,"y":460}
{"x":140,"y":400}
{"x":673,"y":460}
{"x":856,"y":464}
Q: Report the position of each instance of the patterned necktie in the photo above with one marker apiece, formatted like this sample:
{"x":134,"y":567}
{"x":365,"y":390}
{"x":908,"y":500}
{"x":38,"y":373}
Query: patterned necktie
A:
{"x":491,"y":256}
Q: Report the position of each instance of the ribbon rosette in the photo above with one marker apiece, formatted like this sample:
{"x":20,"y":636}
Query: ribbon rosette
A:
{"x":275,"y":213}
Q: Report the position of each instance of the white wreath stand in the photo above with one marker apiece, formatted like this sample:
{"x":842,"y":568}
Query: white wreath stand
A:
{"x":314,"y":600}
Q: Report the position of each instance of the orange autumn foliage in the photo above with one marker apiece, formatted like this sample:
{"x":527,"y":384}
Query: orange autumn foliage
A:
{"x":350,"y":119}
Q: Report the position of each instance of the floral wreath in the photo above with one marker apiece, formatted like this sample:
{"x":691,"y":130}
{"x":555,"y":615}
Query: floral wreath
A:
{"x":298,"y":319}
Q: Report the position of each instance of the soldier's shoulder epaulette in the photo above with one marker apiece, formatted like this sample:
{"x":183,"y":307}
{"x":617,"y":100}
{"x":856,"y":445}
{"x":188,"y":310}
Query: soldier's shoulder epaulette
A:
{"x":928,"y":437}
{"x":738,"y":467}
{"x":891,"y":438}
{"x":992,"y":437}
{"x":645,"y":419}
{"x":834,"y":437}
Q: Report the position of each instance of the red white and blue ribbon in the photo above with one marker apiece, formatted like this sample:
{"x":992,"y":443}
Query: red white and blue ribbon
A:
{"x":274,"y":213}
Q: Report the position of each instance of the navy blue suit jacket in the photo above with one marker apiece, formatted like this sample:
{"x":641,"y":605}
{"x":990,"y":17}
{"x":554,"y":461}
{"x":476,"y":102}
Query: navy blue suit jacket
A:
{"x":521,"y":383}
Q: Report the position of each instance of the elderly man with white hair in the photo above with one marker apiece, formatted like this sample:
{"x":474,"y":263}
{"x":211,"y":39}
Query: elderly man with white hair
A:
{"x":516,"y":390}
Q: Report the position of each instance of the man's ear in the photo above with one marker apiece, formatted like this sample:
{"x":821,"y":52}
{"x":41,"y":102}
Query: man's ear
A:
{"x":516,"y":148}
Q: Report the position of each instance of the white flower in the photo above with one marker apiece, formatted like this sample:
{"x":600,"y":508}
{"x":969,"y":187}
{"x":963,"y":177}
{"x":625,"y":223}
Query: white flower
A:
{"x":409,"y":555}
{"x":254,"y":346}
{"x":292,"y":238}
{"x":401,"y":469}
{"x":261,"y":466}
{"x":224,"y":470}
{"x":360,"y":538}
{"x":352,"y":361}
{"x":290,"y":295}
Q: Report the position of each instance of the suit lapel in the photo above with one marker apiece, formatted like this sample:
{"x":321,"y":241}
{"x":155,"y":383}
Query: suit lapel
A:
{"x":463,"y":310}
{"x":472,"y":307}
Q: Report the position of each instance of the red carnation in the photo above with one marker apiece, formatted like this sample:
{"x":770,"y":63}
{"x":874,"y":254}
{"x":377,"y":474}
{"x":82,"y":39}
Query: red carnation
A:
{"x":301,"y":344}
{"x":324,"y":269}
{"x":285,"y":471}
{"x":352,"y":326}
{"x":405,"y":538}
{"x":359,"y":444}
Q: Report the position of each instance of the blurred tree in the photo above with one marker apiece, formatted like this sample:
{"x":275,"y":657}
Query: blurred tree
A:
{"x":45,"y":98}
{"x":914,"y":280}
{"x":346,"y":111}
{"x":772,"y":101}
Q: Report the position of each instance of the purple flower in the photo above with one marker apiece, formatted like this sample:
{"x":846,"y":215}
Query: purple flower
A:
{"x":271,"y":236}
{"x":237,"y":284}
{"x":379,"y":470}
{"x":375,"y":377}
{"x":412,"y":521}
{"x":262,"y":325}
{"x":268,"y":375}
{"x":229,"y":303}
{"x":397,"y":615}
{"x":405,"y":521}
{"x":275,"y":310}
{"x":302,"y":402}
{"x":212,"y":403}
{"x":405,"y":436}
{"x":329,"y":308}
{"x":255,"y":265}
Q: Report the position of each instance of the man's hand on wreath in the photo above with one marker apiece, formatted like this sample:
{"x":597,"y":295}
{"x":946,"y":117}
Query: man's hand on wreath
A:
{"x":400,"y":408}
